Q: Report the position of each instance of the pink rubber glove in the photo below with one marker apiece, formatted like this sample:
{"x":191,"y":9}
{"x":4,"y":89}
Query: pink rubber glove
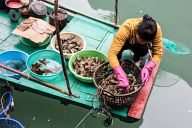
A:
{"x":146,"y":71}
{"x":121,"y":77}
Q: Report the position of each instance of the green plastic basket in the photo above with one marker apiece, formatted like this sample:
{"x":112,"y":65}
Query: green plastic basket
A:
{"x":85,"y":53}
{"x":30,"y":43}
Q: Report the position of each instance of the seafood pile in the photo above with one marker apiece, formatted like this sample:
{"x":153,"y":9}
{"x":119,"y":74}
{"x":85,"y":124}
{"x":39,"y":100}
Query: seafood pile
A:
{"x":110,"y":84}
{"x":45,"y":67}
{"x":70,"y":45}
{"x":86,"y":66}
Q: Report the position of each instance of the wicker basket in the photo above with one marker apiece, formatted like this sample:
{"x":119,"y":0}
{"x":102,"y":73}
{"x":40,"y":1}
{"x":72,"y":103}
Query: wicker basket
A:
{"x":10,"y":123}
{"x":6,"y":99}
{"x":123,"y":100}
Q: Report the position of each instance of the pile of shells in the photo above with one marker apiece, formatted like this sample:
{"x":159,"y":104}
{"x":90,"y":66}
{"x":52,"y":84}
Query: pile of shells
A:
{"x":70,"y":45}
{"x":86,"y":66}
{"x":110,"y":84}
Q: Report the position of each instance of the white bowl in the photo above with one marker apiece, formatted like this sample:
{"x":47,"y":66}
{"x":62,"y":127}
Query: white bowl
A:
{"x":65,"y":35}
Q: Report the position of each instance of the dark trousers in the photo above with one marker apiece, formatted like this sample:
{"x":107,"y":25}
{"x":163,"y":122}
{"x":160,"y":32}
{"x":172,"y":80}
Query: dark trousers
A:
{"x":139,"y":50}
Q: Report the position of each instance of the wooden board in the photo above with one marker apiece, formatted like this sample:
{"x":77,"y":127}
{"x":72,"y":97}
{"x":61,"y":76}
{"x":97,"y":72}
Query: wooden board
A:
{"x":137,"y":108}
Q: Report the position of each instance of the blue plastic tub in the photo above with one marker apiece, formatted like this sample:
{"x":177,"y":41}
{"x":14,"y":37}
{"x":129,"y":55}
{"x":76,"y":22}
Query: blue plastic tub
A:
{"x":5,"y":97}
{"x":14,"y":59}
{"x":10,"y":123}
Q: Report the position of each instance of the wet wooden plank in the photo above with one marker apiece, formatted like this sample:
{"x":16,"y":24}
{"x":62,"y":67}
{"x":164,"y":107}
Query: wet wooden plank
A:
{"x":13,"y":42}
{"x":137,"y":108}
{"x":5,"y":31}
{"x":4,"y":19}
{"x":88,"y":27}
{"x":106,"y":43}
{"x":1,"y":41}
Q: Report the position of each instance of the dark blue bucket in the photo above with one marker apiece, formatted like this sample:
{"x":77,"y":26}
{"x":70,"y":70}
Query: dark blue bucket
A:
{"x":6,"y":99}
{"x":10,"y":123}
{"x":2,"y":4}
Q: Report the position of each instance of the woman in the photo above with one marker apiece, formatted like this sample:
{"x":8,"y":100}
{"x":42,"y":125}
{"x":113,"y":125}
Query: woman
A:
{"x":136,"y":35}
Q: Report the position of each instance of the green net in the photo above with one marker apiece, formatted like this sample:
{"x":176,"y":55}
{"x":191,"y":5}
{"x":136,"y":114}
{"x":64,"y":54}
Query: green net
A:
{"x":175,"y":48}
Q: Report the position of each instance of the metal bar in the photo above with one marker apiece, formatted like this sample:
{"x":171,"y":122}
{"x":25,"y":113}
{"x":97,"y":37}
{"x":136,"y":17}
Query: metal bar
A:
{"x":60,"y":47}
{"x":75,"y":12}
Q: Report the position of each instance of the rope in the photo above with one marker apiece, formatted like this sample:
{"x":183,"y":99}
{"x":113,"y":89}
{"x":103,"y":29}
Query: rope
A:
{"x":2,"y":107}
{"x":10,"y":87}
{"x":12,"y":103}
{"x":28,"y":75}
{"x":102,"y":110}
{"x":84,"y":118}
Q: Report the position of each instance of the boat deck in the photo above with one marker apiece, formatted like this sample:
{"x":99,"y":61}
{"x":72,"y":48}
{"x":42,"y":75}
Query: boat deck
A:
{"x":97,"y":36}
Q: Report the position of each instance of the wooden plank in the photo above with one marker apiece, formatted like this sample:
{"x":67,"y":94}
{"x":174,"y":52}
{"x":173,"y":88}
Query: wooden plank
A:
{"x":13,"y":42}
{"x":88,"y":27}
{"x":5,"y":31}
{"x":137,"y":108}
{"x":1,"y":41}
{"x":4,"y":19}
{"x":106,"y":43}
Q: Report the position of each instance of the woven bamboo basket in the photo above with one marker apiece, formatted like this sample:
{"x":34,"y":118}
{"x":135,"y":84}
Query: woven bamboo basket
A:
{"x":121,"y":100}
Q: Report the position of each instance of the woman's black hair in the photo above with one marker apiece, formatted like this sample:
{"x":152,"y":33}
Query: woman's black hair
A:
{"x":147,"y":29}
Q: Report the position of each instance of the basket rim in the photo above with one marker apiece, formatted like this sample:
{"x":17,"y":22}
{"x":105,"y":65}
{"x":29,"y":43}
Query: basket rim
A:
{"x":120,"y":95}
{"x":11,"y":119}
{"x":8,"y":105}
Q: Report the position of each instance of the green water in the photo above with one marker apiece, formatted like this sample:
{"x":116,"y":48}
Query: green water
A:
{"x":170,"y":103}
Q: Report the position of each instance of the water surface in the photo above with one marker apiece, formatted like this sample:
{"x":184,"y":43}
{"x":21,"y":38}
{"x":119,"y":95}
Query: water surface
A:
{"x":170,"y":102}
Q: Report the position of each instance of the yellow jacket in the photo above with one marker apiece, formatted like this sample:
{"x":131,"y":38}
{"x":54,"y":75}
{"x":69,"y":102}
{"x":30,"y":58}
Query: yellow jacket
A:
{"x":127,"y":32}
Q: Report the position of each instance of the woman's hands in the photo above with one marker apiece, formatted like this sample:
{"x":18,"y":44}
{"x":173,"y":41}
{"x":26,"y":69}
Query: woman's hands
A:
{"x":146,"y":71}
{"x":121,"y":77}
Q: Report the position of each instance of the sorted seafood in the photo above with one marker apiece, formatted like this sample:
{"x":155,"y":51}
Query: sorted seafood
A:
{"x":70,"y":45}
{"x":110,"y":84}
{"x":86,"y":66}
{"x":45,"y":67}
